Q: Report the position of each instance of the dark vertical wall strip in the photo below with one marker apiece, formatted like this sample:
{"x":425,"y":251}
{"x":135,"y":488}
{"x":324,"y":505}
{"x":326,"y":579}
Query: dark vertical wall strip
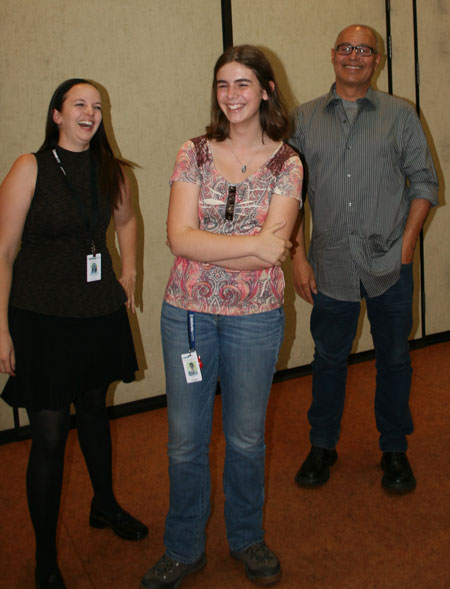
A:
{"x":227,"y":24}
{"x":389,"y":44}
{"x":421,"y":250}
{"x":416,"y":57}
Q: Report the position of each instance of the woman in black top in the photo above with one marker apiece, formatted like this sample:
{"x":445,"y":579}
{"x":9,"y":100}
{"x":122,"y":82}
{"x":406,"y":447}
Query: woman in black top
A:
{"x":64,"y":330}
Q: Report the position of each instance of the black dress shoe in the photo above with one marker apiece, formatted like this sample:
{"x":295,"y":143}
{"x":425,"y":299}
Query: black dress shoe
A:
{"x":53,"y":581}
{"x":398,"y":475}
{"x":315,"y":470}
{"x":122,"y":523}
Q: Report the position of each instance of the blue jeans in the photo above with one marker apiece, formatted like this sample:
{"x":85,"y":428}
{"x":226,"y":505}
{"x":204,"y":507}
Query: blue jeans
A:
{"x":333,"y":327}
{"x":242,"y":351}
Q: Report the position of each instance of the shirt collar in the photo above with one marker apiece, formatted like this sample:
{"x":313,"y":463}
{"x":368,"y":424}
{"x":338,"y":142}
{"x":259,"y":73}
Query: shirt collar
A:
{"x":369,"y":100}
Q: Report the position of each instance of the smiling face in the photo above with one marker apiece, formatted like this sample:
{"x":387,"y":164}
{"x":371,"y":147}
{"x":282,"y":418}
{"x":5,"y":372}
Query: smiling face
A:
{"x":354,"y":72}
{"x":79,"y":118}
{"x":239,"y":93}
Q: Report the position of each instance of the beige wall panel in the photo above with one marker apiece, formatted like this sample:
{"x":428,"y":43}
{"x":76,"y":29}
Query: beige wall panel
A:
{"x":155,"y":58}
{"x":434,"y":59}
{"x":298,"y":36}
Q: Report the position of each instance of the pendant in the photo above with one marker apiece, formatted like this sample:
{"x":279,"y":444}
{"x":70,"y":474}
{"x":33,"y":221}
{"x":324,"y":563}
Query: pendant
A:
{"x":244,"y":169}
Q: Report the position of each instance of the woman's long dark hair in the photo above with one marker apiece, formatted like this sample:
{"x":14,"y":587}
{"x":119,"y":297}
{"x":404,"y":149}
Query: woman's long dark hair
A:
{"x":272,"y":112}
{"x":109,"y":168}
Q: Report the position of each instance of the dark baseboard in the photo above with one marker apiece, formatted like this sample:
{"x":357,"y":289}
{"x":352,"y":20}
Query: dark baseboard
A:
{"x":298,"y":371}
{"x":150,"y":403}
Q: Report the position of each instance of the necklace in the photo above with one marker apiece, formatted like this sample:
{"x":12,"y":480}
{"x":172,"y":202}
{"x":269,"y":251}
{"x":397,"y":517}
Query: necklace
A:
{"x":243,"y":166}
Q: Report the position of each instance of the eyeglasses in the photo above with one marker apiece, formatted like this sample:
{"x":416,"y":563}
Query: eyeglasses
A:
{"x":231,"y":199}
{"x":363,"y":50}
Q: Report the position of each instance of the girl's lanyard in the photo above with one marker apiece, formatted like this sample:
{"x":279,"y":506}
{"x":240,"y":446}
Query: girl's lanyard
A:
{"x":191,"y":331}
{"x":191,"y":361}
{"x":94,"y":259}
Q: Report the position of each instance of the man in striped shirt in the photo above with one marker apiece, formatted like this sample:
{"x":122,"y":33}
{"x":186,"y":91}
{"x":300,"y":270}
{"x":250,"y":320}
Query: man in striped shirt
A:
{"x":371,"y":185}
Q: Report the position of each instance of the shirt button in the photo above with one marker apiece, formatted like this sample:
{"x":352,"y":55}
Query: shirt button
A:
{"x":349,"y":147}
{"x":349,"y":204}
{"x":349,"y":175}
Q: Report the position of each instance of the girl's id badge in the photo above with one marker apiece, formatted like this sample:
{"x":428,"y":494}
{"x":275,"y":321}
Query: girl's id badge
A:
{"x":94,"y":267}
{"x":191,"y":367}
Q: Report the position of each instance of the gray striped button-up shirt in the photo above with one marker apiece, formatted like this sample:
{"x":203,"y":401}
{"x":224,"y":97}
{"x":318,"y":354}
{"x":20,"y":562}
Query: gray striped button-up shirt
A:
{"x":362,"y":179}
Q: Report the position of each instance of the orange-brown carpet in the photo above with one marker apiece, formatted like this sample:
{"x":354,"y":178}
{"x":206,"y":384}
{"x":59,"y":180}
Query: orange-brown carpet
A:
{"x":347,"y":534}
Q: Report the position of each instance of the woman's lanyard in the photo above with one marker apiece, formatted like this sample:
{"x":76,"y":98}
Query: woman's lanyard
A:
{"x":90,"y":218}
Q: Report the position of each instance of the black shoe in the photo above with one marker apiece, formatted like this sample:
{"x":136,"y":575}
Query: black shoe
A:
{"x":261,"y":564}
{"x":315,"y":470}
{"x":168,"y":573}
{"x":398,"y":475}
{"x":121,"y":523}
{"x":53,"y":581}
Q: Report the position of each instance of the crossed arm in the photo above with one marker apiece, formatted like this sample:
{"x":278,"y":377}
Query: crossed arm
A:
{"x":268,"y":248}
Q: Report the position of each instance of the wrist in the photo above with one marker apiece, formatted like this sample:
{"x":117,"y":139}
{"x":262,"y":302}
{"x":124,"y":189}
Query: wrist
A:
{"x":126,"y":273}
{"x":300,"y":259}
{"x":253,"y":245}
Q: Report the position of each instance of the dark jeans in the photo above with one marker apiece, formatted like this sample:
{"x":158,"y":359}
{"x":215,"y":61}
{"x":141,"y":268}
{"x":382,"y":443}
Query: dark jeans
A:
{"x":333,"y":327}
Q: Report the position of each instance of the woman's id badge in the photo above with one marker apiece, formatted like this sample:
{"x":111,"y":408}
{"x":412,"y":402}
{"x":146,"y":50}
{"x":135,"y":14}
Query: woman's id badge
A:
{"x":191,"y":367}
{"x":94,"y":267}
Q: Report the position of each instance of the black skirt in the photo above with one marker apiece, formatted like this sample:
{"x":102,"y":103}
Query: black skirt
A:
{"x":60,"y":358}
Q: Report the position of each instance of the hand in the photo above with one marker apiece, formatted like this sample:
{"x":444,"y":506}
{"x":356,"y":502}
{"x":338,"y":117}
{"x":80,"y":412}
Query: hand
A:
{"x":271,"y":248}
{"x":304,"y":280}
{"x":7,"y":356}
{"x":129,"y":283}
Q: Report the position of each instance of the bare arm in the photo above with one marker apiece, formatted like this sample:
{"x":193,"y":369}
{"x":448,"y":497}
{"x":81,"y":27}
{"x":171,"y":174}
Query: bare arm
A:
{"x":418,"y":212}
{"x":187,"y":240}
{"x":125,"y":222}
{"x":16,"y":193}
{"x":304,"y":280}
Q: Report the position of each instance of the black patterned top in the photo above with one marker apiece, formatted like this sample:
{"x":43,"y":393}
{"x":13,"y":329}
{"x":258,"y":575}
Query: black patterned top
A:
{"x":50,"y":270}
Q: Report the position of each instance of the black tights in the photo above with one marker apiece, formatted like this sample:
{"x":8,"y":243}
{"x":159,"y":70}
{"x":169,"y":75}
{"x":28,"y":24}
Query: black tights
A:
{"x":49,"y":431}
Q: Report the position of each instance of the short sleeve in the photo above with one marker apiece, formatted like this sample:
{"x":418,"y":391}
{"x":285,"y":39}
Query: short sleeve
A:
{"x":186,"y":168}
{"x":289,"y":182}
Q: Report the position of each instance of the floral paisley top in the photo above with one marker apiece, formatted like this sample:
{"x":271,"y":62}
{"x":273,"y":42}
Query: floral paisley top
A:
{"x":208,"y":288}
